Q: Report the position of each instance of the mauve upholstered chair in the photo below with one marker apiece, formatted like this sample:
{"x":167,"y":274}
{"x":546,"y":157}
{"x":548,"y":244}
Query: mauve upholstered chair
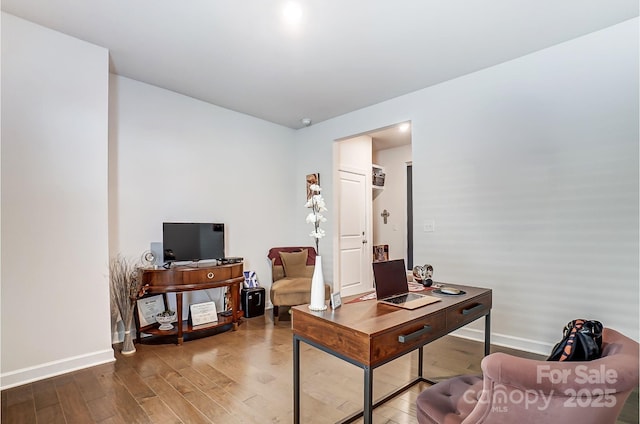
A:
{"x":525,"y":391}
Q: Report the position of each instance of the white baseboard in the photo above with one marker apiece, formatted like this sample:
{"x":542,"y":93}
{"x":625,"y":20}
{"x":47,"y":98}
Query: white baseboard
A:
{"x":51,"y":369}
{"x":518,"y":343}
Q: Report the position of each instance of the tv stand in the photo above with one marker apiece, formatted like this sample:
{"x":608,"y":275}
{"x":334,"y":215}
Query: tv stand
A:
{"x":179,"y":279}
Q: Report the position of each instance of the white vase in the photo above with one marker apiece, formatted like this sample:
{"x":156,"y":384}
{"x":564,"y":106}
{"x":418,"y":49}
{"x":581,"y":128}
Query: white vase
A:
{"x":317,"y":287}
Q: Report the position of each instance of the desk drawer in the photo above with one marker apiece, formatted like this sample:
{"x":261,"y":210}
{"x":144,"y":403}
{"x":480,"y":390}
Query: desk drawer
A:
{"x":205,"y":275}
{"x":156,"y":277}
{"x":468,"y":311}
{"x":407,"y":337}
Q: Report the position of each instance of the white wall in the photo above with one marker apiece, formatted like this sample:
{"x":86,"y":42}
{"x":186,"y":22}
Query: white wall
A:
{"x":529,"y":168}
{"x":530,"y":171}
{"x":174,"y":158}
{"x":354,"y":154}
{"x":393,"y":198}
{"x":55,"y":293}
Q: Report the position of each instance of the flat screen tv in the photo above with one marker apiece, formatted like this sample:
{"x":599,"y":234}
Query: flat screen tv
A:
{"x":192,"y":241}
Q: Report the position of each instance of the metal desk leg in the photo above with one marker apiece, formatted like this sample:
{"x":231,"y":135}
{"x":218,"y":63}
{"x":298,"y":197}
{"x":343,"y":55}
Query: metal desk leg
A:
{"x":296,"y":380}
{"x":487,"y":334}
{"x":420,"y":360}
{"x":368,"y":396}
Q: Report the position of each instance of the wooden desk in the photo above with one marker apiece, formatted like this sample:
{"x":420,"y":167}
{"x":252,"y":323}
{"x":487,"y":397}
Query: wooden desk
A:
{"x":368,"y":334}
{"x":181,"y":279}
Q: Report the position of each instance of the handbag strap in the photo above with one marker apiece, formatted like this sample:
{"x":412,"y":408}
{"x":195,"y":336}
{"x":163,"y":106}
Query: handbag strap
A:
{"x":569,"y":346}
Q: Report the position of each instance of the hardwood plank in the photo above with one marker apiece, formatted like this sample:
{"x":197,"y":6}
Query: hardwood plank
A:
{"x":44,"y":394}
{"x":175,"y":401}
{"x":134,"y":384}
{"x":128,"y":406}
{"x":240,"y":410}
{"x":114,"y":420}
{"x":3,"y":402}
{"x":205,"y":405}
{"x":238,"y":377}
{"x":158,"y":411}
{"x":107,"y":378}
{"x":19,"y":395}
{"x":20,"y":413}
{"x":103,"y":408}
{"x":51,"y":414}
{"x":88,"y":385}
{"x":73,"y":405}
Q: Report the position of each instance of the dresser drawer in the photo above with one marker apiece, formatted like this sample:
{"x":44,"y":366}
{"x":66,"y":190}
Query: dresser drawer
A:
{"x":205,"y":275}
{"x":407,"y":337}
{"x":156,"y":277}
{"x":468,"y":311}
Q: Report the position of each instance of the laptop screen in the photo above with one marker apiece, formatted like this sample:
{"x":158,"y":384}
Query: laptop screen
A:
{"x":390,"y":278}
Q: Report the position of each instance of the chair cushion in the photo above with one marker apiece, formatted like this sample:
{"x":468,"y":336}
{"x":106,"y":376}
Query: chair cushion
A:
{"x":295,"y":263}
{"x":294,"y":291}
{"x":449,"y":401}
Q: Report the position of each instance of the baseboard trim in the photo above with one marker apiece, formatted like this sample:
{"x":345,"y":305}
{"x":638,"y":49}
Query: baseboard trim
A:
{"x":52,"y":369}
{"x":518,"y":343}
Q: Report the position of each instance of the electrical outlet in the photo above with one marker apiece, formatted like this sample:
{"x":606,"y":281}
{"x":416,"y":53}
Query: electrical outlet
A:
{"x":429,"y":226}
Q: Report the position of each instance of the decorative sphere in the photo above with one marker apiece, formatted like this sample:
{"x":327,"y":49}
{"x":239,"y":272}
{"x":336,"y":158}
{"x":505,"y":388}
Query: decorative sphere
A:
{"x":423,"y":274}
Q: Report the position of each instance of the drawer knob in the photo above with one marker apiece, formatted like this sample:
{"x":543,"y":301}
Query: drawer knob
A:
{"x":407,"y":338}
{"x":473,"y":309}
{"x":210,"y":275}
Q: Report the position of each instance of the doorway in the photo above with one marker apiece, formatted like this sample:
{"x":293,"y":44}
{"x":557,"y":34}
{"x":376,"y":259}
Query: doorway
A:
{"x":387,"y":204}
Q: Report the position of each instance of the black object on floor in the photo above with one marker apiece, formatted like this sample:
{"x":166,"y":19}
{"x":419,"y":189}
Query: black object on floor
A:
{"x":253,"y":301}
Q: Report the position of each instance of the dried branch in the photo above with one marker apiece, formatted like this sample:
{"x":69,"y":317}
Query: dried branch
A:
{"x":125,"y":286}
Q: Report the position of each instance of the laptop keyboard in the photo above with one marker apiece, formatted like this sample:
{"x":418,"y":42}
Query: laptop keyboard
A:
{"x":402,"y":298}
{"x":398,"y":299}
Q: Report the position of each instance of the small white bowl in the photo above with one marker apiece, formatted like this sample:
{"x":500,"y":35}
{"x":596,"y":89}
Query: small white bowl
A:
{"x":165,"y":320}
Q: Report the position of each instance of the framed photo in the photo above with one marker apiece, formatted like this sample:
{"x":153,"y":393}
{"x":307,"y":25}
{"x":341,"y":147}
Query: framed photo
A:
{"x":148,"y":308}
{"x":203,"y":313}
{"x":336,"y":300}
{"x":380,"y":252}
{"x":312,"y":179}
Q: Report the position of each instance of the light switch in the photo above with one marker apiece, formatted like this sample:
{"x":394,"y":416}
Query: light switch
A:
{"x":429,"y":226}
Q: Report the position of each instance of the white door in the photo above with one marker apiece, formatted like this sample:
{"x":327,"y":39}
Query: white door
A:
{"x":355,"y":260}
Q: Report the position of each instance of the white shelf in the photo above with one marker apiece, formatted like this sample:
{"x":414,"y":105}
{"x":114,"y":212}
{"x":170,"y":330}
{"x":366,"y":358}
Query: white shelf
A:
{"x":377,"y":170}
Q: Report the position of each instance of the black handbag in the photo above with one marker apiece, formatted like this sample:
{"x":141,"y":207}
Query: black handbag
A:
{"x":581,"y":341}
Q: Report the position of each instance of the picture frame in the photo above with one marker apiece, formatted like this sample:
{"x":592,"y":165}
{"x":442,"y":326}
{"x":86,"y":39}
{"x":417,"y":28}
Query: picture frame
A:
{"x":203,"y":313}
{"x":312,"y":179}
{"x":380,"y":253}
{"x":148,"y":307}
{"x":336,"y":300}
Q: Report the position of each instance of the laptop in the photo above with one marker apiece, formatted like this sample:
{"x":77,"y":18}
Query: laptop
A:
{"x":392,"y":287}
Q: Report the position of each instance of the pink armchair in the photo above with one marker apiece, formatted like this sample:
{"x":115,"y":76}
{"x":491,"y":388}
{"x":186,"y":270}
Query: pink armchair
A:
{"x":526,"y":391}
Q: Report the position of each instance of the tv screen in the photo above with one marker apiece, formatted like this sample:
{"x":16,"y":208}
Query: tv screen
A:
{"x":192,"y":241}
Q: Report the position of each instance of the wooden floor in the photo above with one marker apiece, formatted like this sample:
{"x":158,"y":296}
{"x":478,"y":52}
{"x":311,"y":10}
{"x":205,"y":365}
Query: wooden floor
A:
{"x":236,"y":377}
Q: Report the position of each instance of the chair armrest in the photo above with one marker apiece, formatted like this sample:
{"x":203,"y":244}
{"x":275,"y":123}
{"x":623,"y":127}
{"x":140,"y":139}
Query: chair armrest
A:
{"x":557,"y":377}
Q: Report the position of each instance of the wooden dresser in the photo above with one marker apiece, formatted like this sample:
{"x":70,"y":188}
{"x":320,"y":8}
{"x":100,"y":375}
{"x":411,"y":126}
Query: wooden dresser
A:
{"x":180,"y":279}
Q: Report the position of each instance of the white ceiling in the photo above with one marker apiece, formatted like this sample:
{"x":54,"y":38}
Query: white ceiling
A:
{"x":390,"y":137}
{"x":342,"y":56}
